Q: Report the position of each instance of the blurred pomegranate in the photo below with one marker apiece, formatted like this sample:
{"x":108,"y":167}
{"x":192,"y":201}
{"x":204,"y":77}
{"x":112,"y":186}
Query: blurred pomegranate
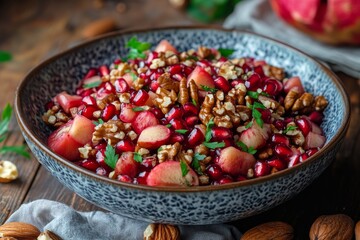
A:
{"x":330,"y":21}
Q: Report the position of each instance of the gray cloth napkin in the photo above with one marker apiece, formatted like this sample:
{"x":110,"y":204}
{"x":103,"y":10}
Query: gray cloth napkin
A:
{"x":70,"y":224}
{"x":258,"y":16}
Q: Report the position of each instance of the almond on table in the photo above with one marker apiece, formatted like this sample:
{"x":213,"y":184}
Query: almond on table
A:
{"x":166,"y":117}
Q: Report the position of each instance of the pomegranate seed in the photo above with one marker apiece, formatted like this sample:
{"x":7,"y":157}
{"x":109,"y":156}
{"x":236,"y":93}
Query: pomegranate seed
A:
{"x":177,"y":124}
{"x":261,"y":169}
{"x":117,"y":61}
{"x":149,"y":162}
{"x":91,"y":73}
{"x":288,"y":120}
{"x":222,"y":84}
{"x":195,"y":137}
{"x":283,"y":151}
{"x":174,"y":113}
{"x":276,"y":163}
{"x":104,"y":70}
{"x":154,"y":85}
{"x":89,"y":100}
{"x":84,"y":92}
{"x":141,"y":97}
{"x":226,"y":179}
{"x":220,"y":133}
{"x":259,"y":70}
{"x":279,"y":138}
{"x":253,"y":82}
{"x":279,"y":124}
{"x":316,"y":117}
{"x":124,"y":146}
{"x":312,"y":151}
{"x":303,"y":157}
{"x":178,"y":76}
{"x":187,"y":70}
{"x":294,"y":160}
{"x":228,"y":142}
{"x":155,"y":76}
{"x":236,"y":82}
{"x":151,"y":57}
{"x":108,"y":112}
{"x":49,"y":105}
{"x":132,"y":94}
{"x":175,"y":69}
{"x":101,"y":146}
{"x":304,"y":125}
{"x":141,"y":179}
{"x":121,"y":85}
{"x":214,"y":171}
{"x":89,"y":164}
{"x":157,"y":112}
{"x":164,"y":121}
{"x":272,"y":86}
{"x":109,"y":88}
{"x":124,"y":178}
{"x":176,"y":137}
{"x":265,"y":115}
{"x":190,"y":109}
{"x":191,"y":121}
{"x":88,"y":112}
{"x":246,"y":68}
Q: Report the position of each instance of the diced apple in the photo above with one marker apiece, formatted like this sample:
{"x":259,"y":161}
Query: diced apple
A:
{"x":255,"y":136}
{"x":82,"y":129}
{"x":143,"y":120}
{"x":164,"y":46}
{"x":293,"y":83}
{"x":315,"y":128}
{"x":235,"y":162}
{"x":68,"y":101}
{"x":154,"y":136}
{"x":126,"y":165}
{"x":129,"y":78}
{"x":127,"y":114}
{"x":91,"y":80}
{"x":62,"y":143}
{"x":201,"y":78}
{"x":169,"y":173}
{"x":314,"y":140}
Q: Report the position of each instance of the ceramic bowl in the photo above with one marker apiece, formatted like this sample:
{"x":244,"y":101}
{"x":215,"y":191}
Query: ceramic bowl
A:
{"x":195,"y":205}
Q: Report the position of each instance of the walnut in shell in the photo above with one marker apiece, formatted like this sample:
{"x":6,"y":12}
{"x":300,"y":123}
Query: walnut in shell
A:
{"x":335,"y":227}
{"x":270,"y":230}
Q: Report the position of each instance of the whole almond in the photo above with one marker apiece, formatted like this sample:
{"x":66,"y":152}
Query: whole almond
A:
{"x":48,"y":235}
{"x":357,"y":231}
{"x":334,"y":227}
{"x":161,"y":232}
{"x":270,"y":230}
{"x":8,"y":238}
{"x":99,"y":27}
{"x":19,"y":230}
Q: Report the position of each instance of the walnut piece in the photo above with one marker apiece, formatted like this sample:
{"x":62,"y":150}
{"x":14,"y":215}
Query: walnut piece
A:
{"x":55,"y":117}
{"x":194,"y":92}
{"x":8,"y":171}
{"x":166,"y":82}
{"x":111,"y":131}
{"x":206,"y":108}
{"x":168,"y":152}
{"x":184,"y":92}
{"x":165,"y":99}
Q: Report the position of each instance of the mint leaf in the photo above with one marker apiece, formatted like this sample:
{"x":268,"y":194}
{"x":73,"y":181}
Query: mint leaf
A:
{"x":258,"y":105}
{"x":168,"y":125}
{"x":194,"y":102}
{"x":137,"y":48}
{"x":213,"y":145}
{"x":252,"y":150}
{"x":192,"y":57}
{"x":209,"y":126}
{"x":181,"y":131}
{"x":111,"y":157}
{"x":184,"y":168}
{"x":138,"y":109}
{"x":248,"y":125}
{"x":290,"y":128}
{"x":92,"y":85}
{"x":209,"y":89}
{"x":100,"y":121}
{"x":254,"y":95}
{"x":137,"y":157}
{"x":196,"y":164}
{"x":226,"y":52}
{"x":5,"y":120}
{"x":5,"y":56}
{"x":242,"y":145}
{"x":21,"y":150}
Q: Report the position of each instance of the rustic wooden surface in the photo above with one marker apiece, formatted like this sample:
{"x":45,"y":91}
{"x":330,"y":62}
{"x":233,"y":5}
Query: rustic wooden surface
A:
{"x":35,"y":30}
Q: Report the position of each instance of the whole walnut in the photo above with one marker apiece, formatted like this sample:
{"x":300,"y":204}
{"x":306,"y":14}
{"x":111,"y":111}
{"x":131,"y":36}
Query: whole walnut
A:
{"x":334,"y":227}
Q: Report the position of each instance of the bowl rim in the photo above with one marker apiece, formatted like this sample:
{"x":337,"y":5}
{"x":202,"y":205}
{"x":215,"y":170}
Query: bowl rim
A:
{"x":27,"y":130}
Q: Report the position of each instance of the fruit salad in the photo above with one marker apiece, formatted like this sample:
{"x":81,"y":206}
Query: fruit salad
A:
{"x":163,"y":117}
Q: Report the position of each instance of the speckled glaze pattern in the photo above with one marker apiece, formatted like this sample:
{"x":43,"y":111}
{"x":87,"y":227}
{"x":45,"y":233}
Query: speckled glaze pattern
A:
{"x":199,"y":205}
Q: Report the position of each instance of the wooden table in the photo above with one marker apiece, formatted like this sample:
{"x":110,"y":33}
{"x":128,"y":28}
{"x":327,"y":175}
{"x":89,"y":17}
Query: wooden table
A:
{"x":35,"y":30}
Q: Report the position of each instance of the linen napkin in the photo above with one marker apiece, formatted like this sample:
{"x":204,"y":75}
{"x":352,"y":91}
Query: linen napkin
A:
{"x":257,"y":15}
{"x":74,"y":225}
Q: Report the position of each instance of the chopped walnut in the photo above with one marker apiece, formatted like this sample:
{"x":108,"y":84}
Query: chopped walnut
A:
{"x":204,"y":180}
{"x":228,"y":70}
{"x":111,"y":131}
{"x":290,"y":99}
{"x":165,"y":99}
{"x":157,"y":63}
{"x":172,"y":59}
{"x":201,"y":149}
{"x":166,"y":82}
{"x":206,"y":108}
{"x":320,"y":103}
{"x":194,"y":91}
{"x":124,"y":97}
{"x":85,"y":151}
{"x":265,"y":153}
{"x":184,"y":92}
{"x":303,"y":102}
{"x":244,"y":112}
{"x":186,"y":156}
{"x":138,"y":83}
{"x":55,"y":117}
{"x":123,"y":68}
{"x":168,"y":152}
{"x":237,"y":94}
{"x":274,"y":72}
{"x":143,"y":151}
{"x":102,"y":102}
{"x":203,"y":52}
{"x":296,"y":136}
{"x":272,"y":104}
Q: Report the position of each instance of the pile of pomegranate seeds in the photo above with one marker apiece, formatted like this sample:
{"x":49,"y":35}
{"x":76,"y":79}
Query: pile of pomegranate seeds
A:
{"x":169,"y":118}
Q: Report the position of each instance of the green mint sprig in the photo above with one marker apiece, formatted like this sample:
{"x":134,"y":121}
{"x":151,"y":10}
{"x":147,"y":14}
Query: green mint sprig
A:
{"x":111,"y":157}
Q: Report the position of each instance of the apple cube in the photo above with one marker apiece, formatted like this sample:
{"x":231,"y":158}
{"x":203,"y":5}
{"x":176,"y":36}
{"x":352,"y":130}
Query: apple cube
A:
{"x":164,"y":46}
{"x":143,"y":120}
{"x":169,"y":173}
{"x":82,"y":129}
{"x":314,"y":140}
{"x":201,"y":78}
{"x":68,"y":101}
{"x":126,"y":165}
{"x":154,"y":136}
{"x":295,"y":84}
{"x":255,"y":136}
{"x":127,"y":114}
{"x":235,"y":162}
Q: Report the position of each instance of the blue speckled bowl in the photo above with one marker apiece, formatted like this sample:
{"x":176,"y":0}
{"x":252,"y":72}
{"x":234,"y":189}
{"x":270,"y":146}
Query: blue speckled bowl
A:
{"x":195,"y":205}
